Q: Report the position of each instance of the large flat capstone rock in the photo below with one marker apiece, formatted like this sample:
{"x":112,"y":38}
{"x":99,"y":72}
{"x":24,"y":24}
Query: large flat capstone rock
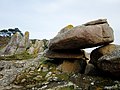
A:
{"x":91,"y":34}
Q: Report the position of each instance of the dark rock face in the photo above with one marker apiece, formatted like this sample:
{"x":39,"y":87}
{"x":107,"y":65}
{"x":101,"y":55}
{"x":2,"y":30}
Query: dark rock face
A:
{"x":84,"y":36}
{"x":101,"y":51}
{"x":107,"y":60}
{"x":89,"y":68}
{"x":65,"y":54}
{"x":110,"y":63}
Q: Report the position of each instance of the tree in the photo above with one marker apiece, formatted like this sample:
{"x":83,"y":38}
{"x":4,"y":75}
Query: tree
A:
{"x":9,"y":32}
{"x":3,"y":33}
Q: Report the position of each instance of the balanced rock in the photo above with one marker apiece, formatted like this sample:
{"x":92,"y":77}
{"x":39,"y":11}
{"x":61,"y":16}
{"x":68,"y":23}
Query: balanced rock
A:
{"x":101,"y":51}
{"x":110,"y":63}
{"x":88,"y":35}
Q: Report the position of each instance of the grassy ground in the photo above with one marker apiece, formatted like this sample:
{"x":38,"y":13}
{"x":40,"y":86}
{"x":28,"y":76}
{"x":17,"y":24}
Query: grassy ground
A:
{"x":22,"y":56}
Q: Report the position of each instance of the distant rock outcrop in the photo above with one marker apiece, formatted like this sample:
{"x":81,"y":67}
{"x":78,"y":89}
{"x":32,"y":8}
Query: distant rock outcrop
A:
{"x":12,"y":46}
{"x":22,"y":44}
{"x":37,"y":47}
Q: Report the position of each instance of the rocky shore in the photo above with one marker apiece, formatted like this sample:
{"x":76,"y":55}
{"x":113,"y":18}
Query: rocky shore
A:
{"x":62,"y":63}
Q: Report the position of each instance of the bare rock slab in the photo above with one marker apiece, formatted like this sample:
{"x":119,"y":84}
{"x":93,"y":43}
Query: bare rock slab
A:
{"x":67,"y":54}
{"x":91,"y":34}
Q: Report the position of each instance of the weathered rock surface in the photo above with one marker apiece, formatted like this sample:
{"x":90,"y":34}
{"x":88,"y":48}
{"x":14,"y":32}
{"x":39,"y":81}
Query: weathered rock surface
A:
{"x":89,"y":68}
{"x":10,"y":69}
{"x":10,"y":49}
{"x":65,"y":29}
{"x":18,"y":44}
{"x":99,"y":21}
{"x":53,"y":79}
{"x":84,"y":36}
{"x":37,"y":47}
{"x":73,"y":61}
{"x":23,"y":44}
{"x":101,"y":51}
{"x":73,"y":66}
{"x":67,"y":54}
{"x":69,"y":61}
{"x":110,"y":63}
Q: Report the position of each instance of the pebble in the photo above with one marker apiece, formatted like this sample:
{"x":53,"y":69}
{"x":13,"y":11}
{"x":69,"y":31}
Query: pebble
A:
{"x":23,"y":80}
{"x":1,"y":76}
{"x":48,"y":74}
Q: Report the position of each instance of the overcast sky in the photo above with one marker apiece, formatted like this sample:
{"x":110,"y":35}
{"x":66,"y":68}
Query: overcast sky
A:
{"x":44,"y":18}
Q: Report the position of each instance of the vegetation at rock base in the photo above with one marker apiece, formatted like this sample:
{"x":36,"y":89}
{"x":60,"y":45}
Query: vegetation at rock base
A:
{"x":67,"y":88}
{"x":47,"y":76}
{"x":40,"y":74}
{"x":22,"y":56}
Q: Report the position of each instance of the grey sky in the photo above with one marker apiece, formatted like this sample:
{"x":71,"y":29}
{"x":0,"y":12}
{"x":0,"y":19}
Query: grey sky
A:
{"x":44,"y":18}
